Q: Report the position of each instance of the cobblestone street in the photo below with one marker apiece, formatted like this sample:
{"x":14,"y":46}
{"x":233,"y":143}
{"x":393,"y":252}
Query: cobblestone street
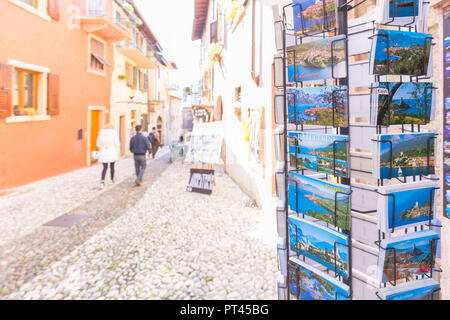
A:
{"x":153,"y":242}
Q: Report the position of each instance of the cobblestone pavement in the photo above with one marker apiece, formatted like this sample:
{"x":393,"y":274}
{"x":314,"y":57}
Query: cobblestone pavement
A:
{"x":32,"y":205}
{"x":153,"y":242}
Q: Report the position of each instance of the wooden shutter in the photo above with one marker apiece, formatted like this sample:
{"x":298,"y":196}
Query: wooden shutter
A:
{"x":97,"y":47}
{"x":129,"y":74}
{"x":53,"y":95}
{"x":213,"y":31}
{"x":135,"y":77}
{"x":53,"y":9}
{"x":5,"y":90}
{"x":146,"y":81}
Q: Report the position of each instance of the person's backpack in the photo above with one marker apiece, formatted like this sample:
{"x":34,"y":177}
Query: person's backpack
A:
{"x":151,"y":137}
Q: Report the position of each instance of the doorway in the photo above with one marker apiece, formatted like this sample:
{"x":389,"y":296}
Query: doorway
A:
{"x":94,"y":131}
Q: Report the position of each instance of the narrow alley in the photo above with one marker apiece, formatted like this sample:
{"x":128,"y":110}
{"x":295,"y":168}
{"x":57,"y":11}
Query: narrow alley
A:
{"x":127,"y":242}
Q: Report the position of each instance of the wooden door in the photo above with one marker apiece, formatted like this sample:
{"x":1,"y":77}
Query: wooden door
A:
{"x":95,"y":129}
{"x":122,"y":135}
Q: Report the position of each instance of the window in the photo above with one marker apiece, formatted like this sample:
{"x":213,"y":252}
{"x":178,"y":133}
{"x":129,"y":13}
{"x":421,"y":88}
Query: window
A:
{"x":30,"y":92}
{"x":24,"y":95}
{"x":97,"y":59}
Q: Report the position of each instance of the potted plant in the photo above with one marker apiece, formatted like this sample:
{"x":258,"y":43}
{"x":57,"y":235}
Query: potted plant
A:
{"x":122,"y":76}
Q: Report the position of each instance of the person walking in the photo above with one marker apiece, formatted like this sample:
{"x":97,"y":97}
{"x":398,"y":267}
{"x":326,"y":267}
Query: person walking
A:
{"x":139,"y":145}
{"x":108,"y":144}
{"x":155,"y":141}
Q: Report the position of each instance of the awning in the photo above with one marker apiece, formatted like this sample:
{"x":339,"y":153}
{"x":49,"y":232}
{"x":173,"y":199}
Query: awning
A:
{"x":101,"y":59}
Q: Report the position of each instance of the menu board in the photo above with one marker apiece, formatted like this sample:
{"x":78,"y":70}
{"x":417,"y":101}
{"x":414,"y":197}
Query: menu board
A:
{"x":447,"y":111}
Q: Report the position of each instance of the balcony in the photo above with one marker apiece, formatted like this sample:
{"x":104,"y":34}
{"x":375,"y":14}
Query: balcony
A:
{"x":143,"y":58}
{"x":101,"y":24}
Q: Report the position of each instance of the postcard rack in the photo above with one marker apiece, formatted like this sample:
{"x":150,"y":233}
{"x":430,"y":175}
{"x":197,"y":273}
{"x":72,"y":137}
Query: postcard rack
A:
{"x":357,"y":246}
{"x":294,"y":125}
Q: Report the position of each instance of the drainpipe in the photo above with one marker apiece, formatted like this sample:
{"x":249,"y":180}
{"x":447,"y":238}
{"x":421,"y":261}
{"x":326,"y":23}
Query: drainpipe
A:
{"x":254,"y":76}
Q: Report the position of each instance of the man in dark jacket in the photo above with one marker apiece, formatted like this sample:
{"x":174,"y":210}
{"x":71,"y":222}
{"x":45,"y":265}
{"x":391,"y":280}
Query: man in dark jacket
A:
{"x":139,"y":145}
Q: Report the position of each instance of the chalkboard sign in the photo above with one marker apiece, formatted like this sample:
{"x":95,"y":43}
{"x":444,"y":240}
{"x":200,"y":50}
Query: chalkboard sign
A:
{"x":201,"y":181}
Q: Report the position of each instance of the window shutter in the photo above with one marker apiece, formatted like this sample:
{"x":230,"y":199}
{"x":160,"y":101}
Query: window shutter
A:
{"x":146,"y":82}
{"x":213,"y":31}
{"x":53,"y":95}
{"x":53,"y":9}
{"x":98,"y":48}
{"x":134,"y":76}
{"x":129,"y":74}
{"x":5,"y":90}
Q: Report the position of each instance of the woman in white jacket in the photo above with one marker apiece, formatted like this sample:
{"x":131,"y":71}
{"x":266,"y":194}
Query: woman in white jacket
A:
{"x":108,"y":144}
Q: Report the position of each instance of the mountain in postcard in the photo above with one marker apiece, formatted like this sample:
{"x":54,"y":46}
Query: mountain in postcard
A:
{"x":406,"y":103}
{"x":318,"y":105}
{"x":318,"y":243}
{"x":313,"y":15}
{"x":317,"y":59}
{"x":305,"y":284}
{"x":411,"y":206}
{"x":401,"y":53}
{"x":411,"y":155}
{"x":339,"y":151}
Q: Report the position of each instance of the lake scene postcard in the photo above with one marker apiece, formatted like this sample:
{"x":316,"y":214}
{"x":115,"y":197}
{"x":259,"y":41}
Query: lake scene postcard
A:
{"x":314,"y":60}
{"x":400,"y":53}
{"x":414,"y":255}
{"x":403,"y":8}
{"x":316,"y":198}
{"x":311,"y":16}
{"x":413,"y":206}
{"x":309,"y":283}
{"x":412,"y":155}
{"x":315,"y":151}
{"x":424,"y":289}
{"x":406,"y":103}
{"x":324,"y":106}
{"x":318,"y":243}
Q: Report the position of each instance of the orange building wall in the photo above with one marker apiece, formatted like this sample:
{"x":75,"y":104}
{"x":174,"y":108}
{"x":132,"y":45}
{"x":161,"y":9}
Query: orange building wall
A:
{"x":31,"y":151}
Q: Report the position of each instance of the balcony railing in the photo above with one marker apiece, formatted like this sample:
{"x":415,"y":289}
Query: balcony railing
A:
{"x":101,"y":23}
{"x":142,"y":57}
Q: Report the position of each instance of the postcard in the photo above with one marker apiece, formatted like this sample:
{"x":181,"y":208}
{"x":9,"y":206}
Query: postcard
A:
{"x":311,"y":16}
{"x":414,"y":254}
{"x":309,"y":283}
{"x":400,"y":53}
{"x":317,"y":60}
{"x":423,"y":289}
{"x":447,"y":163}
{"x":327,"y":153}
{"x":400,"y":12}
{"x":326,"y":106}
{"x":403,"y":103}
{"x":319,"y":243}
{"x":447,"y":147}
{"x":412,"y":154}
{"x":317,"y":198}
{"x":406,"y":205}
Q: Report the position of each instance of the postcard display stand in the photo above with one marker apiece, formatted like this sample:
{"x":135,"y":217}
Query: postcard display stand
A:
{"x":345,"y":229}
